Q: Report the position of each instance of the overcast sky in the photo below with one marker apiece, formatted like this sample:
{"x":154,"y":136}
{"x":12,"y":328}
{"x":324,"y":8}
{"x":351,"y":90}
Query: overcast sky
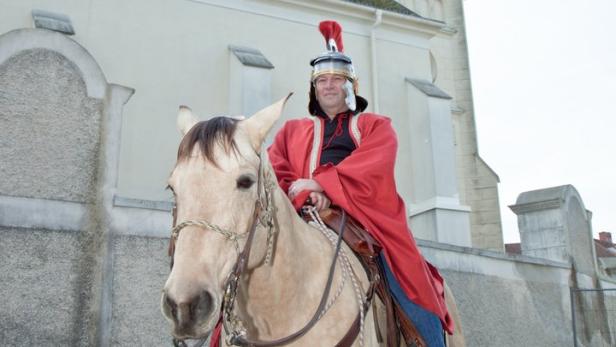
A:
{"x":543,"y":74}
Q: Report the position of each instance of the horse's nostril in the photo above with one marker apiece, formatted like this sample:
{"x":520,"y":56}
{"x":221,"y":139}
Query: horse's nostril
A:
{"x":202,"y":306}
{"x":169,"y":301}
{"x":186,"y":313}
{"x":170,"y":307}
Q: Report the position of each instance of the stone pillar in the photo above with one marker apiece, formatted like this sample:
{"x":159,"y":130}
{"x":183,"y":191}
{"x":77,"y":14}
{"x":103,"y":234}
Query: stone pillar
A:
{"x":555,"y":225}
{"x":435,"y":210}
{"x":60,"y":136}
{"x":250,"y":81}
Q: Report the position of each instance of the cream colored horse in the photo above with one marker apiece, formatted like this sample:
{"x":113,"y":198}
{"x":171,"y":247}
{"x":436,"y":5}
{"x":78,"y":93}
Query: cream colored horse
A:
{"x":217,"y":181}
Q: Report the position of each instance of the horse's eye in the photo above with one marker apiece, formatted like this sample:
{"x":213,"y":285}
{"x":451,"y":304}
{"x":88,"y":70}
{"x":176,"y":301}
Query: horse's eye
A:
{"x":245,"y":182}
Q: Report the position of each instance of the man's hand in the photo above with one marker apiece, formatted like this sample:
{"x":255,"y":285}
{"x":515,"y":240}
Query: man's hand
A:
{"x":304,"y":184}
{"x":319,"y":200}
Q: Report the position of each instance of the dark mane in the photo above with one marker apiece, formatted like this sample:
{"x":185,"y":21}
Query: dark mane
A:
{"x":218,"y":130}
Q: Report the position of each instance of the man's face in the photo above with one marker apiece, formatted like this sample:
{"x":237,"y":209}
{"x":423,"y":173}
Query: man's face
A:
{"x":329,"y":92}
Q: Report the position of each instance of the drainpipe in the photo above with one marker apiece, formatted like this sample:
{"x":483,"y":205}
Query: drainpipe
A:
{"x":375,"y":76}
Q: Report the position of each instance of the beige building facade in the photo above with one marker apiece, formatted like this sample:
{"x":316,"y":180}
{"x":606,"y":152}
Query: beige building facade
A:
{"x":182,"y":52}
{"x":477,"y":181}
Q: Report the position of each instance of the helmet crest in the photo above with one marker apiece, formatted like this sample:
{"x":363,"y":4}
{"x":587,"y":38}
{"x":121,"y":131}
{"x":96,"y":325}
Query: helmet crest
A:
{"x":332,"y":32}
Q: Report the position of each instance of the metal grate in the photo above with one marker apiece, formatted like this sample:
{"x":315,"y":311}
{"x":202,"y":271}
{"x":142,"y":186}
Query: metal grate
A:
{"x":593,"y":317}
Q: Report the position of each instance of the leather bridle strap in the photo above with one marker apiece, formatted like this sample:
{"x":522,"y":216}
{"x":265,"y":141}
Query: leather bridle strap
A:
{"x":241,"y":263}
{"x":240,"y":340}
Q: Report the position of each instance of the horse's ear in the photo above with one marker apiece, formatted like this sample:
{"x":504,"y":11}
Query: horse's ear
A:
{"x":260,"y":123}
{"x":186,"y":119}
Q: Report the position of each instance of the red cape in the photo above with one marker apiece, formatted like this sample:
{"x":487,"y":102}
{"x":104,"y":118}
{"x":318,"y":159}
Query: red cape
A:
{"x":363,"y":185}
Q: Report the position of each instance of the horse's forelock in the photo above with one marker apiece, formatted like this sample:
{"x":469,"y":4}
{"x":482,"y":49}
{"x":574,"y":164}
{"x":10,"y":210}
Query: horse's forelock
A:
{"x":207,"y":134}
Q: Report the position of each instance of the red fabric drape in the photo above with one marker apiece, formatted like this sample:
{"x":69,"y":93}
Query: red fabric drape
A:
{"x":363,"y":185}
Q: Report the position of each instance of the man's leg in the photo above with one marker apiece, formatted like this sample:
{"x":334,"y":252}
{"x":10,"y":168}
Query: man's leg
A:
{"x":427,"y":323}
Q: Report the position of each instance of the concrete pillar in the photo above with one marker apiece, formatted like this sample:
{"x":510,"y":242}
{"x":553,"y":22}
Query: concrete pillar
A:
{"x":435,"y":210}
{"x":250,"y":81}
{"x":555,"y":225}
{"x":56,"y":89}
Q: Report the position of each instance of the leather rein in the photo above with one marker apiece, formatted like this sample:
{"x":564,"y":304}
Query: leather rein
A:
{"x":264,"y":215}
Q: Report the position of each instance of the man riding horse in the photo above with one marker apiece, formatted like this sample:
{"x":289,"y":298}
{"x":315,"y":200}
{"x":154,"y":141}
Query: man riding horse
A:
{"x":343,"y":156}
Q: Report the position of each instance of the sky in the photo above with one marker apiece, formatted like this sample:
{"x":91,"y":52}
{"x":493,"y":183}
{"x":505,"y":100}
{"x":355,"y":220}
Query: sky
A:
{"x":543,"y":76}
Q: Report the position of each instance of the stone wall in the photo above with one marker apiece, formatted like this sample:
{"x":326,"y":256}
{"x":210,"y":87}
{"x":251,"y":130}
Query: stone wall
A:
{"x":500,"y":296}
{"x":554,"y":224}
{"x":141,"y":267}
{"x":40,"y":287}
{"x":595,"y":315}
{"x":49,"y":128}
{"x":59,"y":129}
{"x":509,"y":306}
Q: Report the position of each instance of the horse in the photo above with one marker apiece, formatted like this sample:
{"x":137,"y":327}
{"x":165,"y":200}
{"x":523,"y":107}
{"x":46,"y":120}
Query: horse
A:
{"x":242,"y":255}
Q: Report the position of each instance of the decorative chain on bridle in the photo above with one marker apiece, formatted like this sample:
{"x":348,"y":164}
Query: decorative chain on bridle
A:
{"x":229,"y":235}
{"x":265,"y":218}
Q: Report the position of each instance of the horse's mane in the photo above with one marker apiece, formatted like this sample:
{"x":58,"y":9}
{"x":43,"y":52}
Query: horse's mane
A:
{"x":218,"y":130}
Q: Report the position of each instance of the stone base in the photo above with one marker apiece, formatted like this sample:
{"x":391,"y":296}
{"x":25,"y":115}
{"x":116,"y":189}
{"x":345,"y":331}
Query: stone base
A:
{"x":450,"y":226}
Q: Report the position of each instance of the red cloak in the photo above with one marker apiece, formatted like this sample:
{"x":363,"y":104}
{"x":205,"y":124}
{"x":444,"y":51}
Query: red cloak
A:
{"x":363,"y":185}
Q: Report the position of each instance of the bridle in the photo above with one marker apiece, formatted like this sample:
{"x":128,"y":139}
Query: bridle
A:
{"x":264,"y":213}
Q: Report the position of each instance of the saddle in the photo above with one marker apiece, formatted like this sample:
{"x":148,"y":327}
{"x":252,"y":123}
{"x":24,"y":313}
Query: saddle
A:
{"x":367,"y":250}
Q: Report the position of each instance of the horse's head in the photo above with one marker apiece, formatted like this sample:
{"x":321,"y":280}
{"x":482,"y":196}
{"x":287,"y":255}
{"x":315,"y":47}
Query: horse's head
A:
{"x":216,"y":187}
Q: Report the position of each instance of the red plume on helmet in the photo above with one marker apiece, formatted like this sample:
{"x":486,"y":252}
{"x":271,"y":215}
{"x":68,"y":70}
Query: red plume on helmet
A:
{"x":332,"y":32}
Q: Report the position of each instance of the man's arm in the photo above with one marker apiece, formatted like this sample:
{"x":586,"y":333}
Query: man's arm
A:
{"x":366,"y":177}
{"x":279,"y":159}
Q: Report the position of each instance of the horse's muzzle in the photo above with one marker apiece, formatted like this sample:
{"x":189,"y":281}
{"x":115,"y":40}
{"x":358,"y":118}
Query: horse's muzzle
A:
{"x":190,"y":316}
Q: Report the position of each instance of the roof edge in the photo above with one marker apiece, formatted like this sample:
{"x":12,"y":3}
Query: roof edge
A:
{"x":402,"y":21}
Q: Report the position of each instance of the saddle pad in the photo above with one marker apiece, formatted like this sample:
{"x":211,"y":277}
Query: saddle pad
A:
{"x":355,"y":235}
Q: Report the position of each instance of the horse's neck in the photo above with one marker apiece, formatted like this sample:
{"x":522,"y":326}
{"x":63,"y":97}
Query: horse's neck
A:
{"x":296,"y":278}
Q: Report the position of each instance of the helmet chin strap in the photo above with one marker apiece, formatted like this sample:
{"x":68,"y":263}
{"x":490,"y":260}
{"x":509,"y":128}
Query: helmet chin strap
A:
{"x":350,"y":95}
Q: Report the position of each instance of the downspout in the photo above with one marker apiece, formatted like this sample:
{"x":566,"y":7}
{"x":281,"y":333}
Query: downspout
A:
{"x":375,"y":76}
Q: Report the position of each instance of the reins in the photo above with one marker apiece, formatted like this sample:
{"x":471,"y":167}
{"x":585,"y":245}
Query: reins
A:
{"x":239,"y":339}
{"x":264,"y":215}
